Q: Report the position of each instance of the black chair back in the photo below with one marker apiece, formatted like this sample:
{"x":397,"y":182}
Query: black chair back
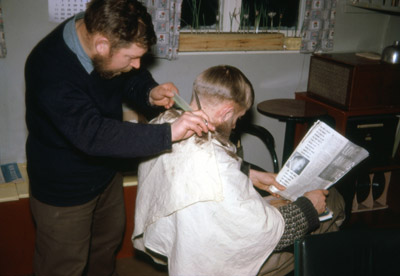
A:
{"x":355,"y":252}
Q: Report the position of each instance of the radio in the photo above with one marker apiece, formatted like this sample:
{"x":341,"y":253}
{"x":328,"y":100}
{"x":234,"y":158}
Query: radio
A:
{"x":352,"y":82}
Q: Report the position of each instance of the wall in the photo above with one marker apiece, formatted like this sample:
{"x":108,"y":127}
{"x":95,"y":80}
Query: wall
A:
{"x":392,"y":33}
{"x":273,"y":74}
{"x":25,"y":23}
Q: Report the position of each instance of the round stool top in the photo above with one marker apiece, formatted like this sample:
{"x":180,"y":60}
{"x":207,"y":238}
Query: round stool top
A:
{"x":291,"y":109}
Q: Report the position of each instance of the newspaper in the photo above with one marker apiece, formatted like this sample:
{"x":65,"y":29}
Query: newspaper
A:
{"x":322,"y":157}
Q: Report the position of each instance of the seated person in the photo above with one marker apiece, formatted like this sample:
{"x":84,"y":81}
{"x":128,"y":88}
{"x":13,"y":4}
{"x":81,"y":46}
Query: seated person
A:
{"x":197,"y":211}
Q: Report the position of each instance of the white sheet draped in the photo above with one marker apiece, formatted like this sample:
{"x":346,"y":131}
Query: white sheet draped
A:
{"x":197,"y":208}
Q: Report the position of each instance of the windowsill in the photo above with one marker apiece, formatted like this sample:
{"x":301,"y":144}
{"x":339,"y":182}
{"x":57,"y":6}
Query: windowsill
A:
{"x":223,"y":42}
{"x":238,"y":53}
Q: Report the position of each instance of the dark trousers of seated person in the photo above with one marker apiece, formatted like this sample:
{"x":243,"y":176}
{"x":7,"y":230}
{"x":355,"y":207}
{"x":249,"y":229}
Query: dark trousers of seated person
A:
{"x":281,"y":263}
{"x":80,"y":240}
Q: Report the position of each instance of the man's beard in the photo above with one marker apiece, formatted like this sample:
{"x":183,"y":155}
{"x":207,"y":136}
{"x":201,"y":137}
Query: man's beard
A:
{"x":100,"y":64}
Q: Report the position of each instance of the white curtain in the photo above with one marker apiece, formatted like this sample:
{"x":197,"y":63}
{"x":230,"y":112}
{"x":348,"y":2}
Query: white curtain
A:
{"x":318,"y":26}
{"x":166,"y":15}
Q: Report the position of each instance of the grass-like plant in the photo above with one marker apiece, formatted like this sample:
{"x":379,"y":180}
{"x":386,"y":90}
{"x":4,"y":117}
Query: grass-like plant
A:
{"x":195,"y":9}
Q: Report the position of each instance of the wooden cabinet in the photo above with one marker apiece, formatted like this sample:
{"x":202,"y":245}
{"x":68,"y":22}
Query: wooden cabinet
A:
{"x":17,"y":233}
{"x":17,"y":238}
{"x":363,"y":176}
{"x":341,"y":116}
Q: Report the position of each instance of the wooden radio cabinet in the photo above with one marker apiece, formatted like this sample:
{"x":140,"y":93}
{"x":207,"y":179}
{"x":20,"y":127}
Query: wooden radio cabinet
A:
{"x":351,"y":82}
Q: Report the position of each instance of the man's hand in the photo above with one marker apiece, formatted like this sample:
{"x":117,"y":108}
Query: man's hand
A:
{"x":162,"y":95}
{"x":190,"y":123}
{"x":318,"y":199}
{"x":264,"y":181}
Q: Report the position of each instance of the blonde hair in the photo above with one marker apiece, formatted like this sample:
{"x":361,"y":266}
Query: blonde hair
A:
{"x":225,"y":82}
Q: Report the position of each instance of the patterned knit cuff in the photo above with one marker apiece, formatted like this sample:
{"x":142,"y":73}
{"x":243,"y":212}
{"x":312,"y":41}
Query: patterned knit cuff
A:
{"x":309,"y":211}
{"x":296,"y":225}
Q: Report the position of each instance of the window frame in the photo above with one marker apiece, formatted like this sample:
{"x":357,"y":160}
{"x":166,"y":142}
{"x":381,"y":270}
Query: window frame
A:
{"x":226,"y":6}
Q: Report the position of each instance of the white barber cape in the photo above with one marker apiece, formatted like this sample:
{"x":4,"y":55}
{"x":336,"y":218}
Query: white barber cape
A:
{"x":198,"y":209}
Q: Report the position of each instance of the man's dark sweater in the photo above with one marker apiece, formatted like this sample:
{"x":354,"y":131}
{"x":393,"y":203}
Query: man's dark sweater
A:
{"x":75,"y":126}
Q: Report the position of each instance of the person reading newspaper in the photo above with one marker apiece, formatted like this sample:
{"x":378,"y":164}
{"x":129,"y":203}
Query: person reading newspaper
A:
{"x":199,"y":213}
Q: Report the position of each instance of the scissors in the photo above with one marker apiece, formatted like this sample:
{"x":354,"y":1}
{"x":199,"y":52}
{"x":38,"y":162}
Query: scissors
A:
{"x":198,"y":104}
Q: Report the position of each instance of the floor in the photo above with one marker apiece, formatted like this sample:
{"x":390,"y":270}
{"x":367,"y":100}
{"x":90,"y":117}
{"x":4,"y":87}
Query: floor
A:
{"x":143,"y":266}
{"x":140,"y":265}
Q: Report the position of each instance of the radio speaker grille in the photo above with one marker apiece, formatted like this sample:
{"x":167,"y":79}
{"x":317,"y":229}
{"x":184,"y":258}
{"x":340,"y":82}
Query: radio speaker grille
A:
{"x":329,"y":80}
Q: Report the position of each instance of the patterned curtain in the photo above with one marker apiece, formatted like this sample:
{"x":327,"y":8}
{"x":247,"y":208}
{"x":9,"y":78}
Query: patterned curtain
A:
{"x":166,"y":16}
{"x":3,"y":50}
{"x":318,"y":26}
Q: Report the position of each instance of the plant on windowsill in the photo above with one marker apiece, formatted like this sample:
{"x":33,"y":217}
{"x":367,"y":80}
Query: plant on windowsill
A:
{"x":247,"y":38}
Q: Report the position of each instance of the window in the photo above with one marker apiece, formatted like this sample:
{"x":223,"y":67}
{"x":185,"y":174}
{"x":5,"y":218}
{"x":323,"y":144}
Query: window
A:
{"x":241,"y":16}
{"x":241,"y":25}
{"x":199,"y":14}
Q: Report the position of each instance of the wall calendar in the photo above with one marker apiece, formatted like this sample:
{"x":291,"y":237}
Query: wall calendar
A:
{"x":59,"y":10}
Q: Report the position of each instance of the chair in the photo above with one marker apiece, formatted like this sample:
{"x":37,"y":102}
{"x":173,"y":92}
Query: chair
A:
{"x":363,"y":252}
{"x":260,"y":132}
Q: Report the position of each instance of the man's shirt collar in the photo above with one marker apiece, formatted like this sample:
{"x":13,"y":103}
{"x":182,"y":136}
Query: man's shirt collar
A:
{"x":72,"y":40}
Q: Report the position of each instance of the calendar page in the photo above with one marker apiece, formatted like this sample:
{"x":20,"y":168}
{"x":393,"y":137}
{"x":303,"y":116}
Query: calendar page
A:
{"x":59,"y":10}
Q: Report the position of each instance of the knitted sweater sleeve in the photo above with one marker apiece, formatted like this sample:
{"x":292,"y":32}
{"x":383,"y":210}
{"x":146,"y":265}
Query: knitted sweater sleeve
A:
{"x":300,"y":218}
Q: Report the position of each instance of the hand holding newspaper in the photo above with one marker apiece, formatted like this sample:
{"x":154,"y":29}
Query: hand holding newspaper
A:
{"x":322,"y":157}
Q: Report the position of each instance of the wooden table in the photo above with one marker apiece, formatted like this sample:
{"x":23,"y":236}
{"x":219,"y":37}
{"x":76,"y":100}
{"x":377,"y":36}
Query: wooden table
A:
{"x":291,"y":111}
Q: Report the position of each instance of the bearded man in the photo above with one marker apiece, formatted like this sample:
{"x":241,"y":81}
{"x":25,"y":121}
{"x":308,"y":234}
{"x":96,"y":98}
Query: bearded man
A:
{"x":76,"y":80}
